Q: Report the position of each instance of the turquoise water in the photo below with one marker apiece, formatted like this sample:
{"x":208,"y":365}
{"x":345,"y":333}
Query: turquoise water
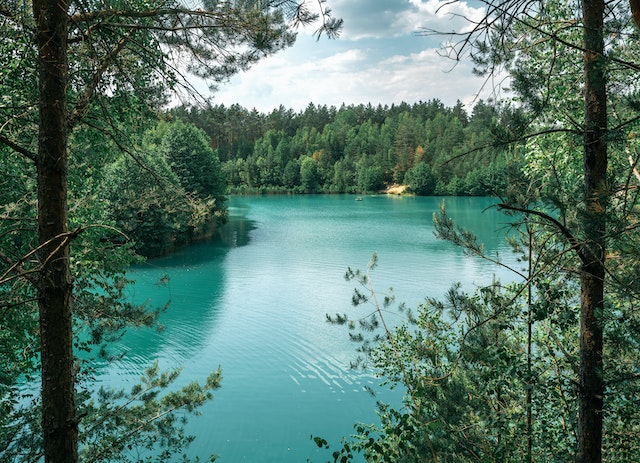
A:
{"x":254,"y":302}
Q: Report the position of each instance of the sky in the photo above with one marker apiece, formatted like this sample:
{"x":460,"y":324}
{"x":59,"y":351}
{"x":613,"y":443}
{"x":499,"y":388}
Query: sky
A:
{"x":381,"y":57}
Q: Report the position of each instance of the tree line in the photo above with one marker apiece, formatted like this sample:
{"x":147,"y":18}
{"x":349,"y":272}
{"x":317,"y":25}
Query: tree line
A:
{"x":430,"y":148}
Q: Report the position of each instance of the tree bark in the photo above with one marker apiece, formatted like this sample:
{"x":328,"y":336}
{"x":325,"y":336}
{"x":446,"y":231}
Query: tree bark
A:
{"x":592,"y":272}
{"x":635,"y":11}
{"x":60,"y":426}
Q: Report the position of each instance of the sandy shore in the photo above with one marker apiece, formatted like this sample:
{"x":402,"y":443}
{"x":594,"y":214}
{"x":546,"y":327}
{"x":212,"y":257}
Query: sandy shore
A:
{"x":395,"y":189}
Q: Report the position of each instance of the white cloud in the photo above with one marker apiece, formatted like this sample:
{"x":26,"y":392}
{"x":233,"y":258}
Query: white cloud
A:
{"x":440,"y":15}
{"x":355,"y":69}
{"x":369,"y":19}
{"x":349,"y":78}
{"x":395,"y":18}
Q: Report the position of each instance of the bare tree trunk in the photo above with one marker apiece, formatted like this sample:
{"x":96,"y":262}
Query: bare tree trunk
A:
{"x":635,"y":11}
{"x":592,"y":272}
{"x":60,"y":427}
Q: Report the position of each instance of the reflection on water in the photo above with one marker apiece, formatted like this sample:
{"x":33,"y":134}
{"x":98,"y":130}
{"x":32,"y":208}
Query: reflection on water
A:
{"x":191,"y":283}
{"x":237,"y":231}
{"x":254,"y":301}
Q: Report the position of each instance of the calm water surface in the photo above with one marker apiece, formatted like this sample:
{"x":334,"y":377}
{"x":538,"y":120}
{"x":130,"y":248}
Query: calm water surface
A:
{"x":254,"y":301}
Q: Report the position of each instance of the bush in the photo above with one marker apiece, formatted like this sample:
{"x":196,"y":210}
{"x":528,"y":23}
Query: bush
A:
{"x":420,"y":180}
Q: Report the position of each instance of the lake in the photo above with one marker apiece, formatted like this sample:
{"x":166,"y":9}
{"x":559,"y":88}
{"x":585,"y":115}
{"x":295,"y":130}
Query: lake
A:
{"x":254,"y":302}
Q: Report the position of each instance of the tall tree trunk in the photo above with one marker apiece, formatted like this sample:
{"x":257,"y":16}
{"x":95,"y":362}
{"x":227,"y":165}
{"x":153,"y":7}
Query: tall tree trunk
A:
{"x":635,"y":11}
{"x":60,"y":427}
{"x":594,"y":225}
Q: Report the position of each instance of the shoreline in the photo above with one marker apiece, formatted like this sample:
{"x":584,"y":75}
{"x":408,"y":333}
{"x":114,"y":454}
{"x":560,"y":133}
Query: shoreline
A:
{"x":396,"y":189}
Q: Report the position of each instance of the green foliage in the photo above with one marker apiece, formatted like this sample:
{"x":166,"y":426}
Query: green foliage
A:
{"x":111,"y":420}
{"x":491,"y":376}
{"x":138,"y":423}
{"x":170,"y":193}
{"x":370,"y":179}
{"x":420,"y":180}
{"x":310,"y":179}
{"x":193,"y":161}
{"x":359,"y":148}
{"x":144,"y":424}
{"x":141,"y":208}
{"x":462,"y":362}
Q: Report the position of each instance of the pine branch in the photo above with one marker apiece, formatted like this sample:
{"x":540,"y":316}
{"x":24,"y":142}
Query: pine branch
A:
{"x":8,"y":13}
{"x":16,"y":266}
{"x":111,"y":13}
{"x":82,"y":105}
{"x":575,"y":244}
{"x":512,"y":141}
{"x":18,"y":149}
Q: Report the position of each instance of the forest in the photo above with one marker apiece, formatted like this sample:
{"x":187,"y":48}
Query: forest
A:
{"x":432,"y":149}
{"x":98,"y":173}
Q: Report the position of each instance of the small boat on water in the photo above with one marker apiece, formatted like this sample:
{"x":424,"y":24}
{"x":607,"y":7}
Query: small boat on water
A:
{"x":358,"y":198}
